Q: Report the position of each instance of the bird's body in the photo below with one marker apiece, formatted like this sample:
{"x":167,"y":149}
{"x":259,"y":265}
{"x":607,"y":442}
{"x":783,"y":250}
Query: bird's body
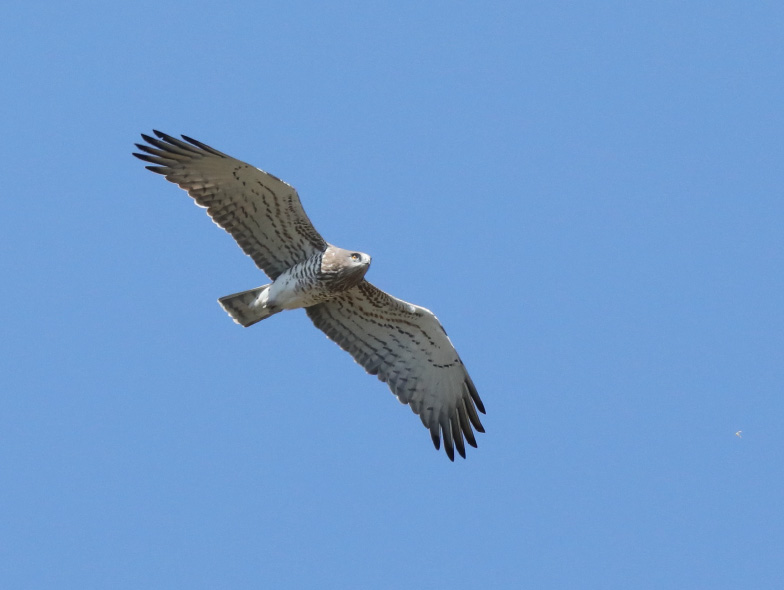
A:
{"x":299,"y":286}
{"x":404,"y":344}
{"x":314,"y":280}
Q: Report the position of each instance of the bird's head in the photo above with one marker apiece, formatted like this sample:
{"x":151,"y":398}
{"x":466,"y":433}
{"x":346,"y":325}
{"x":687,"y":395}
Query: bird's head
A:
{"x":344,"y":268}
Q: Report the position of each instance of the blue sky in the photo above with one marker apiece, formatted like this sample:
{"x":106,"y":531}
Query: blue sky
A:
{"x":588,"y":195}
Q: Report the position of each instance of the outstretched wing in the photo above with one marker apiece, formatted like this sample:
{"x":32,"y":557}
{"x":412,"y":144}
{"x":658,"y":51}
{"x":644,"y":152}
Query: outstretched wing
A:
{"x":260,"y":211}
{"x":406,"y":346}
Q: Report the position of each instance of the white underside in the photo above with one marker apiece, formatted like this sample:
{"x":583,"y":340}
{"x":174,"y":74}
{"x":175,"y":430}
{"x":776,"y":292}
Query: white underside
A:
{"x":287,"y":293}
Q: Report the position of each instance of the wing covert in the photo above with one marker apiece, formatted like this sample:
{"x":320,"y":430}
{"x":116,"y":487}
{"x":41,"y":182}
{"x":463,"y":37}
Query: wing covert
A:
{"x":407,"y":348}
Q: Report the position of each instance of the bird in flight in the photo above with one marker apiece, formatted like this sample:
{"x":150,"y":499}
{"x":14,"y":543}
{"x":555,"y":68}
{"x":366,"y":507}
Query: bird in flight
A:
{"x":403,"y":344}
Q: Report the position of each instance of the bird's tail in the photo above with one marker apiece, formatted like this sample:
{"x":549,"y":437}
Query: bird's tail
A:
{"x":248,"y":307}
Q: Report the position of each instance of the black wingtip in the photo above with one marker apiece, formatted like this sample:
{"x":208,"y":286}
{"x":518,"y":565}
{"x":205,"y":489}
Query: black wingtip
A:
{"x":204,"y":146}
{"x":436,"y":440}
{"x":474,"y":393}
{"x":465,"y":423}
{"x":148,"y":158}
{"x":167,"y":138}
{"x":457,"y":434}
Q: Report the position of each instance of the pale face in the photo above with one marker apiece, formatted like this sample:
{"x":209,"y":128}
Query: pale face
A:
{"x":359,"y":258}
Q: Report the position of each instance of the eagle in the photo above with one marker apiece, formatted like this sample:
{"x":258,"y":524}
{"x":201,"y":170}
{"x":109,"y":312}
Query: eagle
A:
{"x":403,"y":344}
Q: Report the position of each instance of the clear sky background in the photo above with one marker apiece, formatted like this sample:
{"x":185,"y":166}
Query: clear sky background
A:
{"x":588,"y":195}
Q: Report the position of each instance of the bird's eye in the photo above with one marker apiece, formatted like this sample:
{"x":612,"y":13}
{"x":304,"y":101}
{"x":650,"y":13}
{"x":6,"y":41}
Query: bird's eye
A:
{"x":355,"y":257}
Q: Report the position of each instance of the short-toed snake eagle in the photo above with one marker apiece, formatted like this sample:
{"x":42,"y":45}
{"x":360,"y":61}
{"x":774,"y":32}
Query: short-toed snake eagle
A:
{"x":404,"y":344}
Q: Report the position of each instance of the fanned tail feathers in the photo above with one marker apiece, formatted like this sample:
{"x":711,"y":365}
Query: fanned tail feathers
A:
{"x":248,"y":307}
